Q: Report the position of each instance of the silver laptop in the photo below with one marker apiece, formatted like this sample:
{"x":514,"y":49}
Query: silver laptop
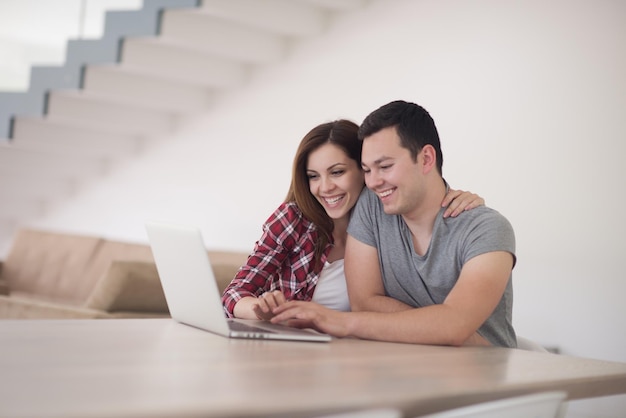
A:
{"x":191,"y":291}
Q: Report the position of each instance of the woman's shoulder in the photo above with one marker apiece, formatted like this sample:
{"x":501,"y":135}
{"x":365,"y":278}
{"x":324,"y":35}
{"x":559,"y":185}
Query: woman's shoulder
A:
{"x":288,"y":213}
{"x":290,"y":209}
{"x":288,"y":223}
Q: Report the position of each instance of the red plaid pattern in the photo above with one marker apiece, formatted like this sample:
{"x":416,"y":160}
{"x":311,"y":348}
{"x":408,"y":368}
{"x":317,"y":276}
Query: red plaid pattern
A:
{"x":283,"y":259}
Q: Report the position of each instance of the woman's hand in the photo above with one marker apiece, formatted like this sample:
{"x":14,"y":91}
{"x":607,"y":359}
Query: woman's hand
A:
{"x":266,"y":303}
{"x":458,"y":201}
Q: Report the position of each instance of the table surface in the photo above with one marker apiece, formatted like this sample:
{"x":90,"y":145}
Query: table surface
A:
{"x":159,"y":368}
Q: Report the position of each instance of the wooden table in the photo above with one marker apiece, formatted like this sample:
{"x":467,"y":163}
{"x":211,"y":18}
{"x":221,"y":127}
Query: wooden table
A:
{"x":159,"y":368}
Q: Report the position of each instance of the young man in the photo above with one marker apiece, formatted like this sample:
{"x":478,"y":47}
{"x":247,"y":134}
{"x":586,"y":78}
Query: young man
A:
{"x":412,"y":275}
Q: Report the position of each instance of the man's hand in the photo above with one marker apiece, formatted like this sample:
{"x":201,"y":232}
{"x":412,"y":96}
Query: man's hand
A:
{"x":312,"y":315}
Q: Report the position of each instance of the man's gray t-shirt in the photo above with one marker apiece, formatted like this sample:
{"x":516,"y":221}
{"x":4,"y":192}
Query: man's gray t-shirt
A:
{"x":426,"y":280}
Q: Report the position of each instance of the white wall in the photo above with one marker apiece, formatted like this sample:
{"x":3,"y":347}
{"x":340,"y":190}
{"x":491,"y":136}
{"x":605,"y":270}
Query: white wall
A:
{"x":530,"y":100}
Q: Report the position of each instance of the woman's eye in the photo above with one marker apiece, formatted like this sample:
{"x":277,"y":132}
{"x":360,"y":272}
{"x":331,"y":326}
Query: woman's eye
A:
{"x":384,"y":167}
{"x":337,"y":172}
{"x":311,"y":176}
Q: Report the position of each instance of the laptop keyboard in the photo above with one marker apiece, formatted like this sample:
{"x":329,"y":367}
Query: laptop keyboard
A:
{"x":238,"y":326}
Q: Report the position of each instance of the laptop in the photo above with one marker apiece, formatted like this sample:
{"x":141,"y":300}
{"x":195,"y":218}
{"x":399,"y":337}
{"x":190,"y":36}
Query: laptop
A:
{"x":191,"y":291}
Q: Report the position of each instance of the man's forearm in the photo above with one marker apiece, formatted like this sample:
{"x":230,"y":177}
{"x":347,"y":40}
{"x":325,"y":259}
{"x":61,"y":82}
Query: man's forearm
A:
{"x":379,"y":303}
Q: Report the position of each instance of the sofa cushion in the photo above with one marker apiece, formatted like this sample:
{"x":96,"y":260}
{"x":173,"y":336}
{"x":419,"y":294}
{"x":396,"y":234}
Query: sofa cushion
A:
{"x":129,"y":286}
{"x":225,"y":265}
{"x":224,"y":274}
{"x":25,"y":306}
{"x":51,"y":264}
{"x":109,"y":251}
{"x":93,"y":274}
{"x":4,"y":287}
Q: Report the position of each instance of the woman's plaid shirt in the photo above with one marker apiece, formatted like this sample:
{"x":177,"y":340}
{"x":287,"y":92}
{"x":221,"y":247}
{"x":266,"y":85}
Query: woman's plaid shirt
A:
{"x":283,"y":259}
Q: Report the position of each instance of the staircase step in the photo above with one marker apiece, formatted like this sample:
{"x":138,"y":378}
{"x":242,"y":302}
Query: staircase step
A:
{"x":161,"y":57}
{"x":338,"y":5}
{"x":282,"y":17}
{"x":21,"y":208}
{"x":107,"y":111}
{"x":137,"y":87}
{"x":44,"y":78}
{"x":17,"y":103}
{"x":202,"y":30}
{"x":157,"y":6}
{"x":20,"y":161}
{"x":80,"y":52}
{"x":57,"y":137}
{"x":114,"y":95}
{"x":33,"y":186}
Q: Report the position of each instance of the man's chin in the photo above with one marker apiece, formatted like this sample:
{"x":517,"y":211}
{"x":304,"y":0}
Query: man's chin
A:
{"x":389,"y":210}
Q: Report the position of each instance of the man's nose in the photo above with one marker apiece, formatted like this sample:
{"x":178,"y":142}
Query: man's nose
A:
{"x":372,"y":179}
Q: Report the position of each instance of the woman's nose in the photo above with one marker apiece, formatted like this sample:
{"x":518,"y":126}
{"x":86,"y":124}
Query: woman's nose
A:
{"x":327,"y":184}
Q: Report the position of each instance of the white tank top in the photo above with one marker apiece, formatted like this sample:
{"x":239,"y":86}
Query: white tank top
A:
{"x":331,"y":288}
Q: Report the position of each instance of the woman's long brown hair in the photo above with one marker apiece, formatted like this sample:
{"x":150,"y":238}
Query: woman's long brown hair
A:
{"x":342,"y":133}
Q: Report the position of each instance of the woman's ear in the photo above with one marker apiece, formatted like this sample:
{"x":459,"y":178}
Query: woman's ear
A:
{"x":429,"y":158}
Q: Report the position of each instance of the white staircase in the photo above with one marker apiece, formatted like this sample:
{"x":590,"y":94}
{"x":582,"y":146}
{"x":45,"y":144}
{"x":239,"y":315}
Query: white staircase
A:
{"x":115,"y":93}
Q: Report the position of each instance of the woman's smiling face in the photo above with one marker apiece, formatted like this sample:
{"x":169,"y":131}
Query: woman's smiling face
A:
{"x":334,"y":179}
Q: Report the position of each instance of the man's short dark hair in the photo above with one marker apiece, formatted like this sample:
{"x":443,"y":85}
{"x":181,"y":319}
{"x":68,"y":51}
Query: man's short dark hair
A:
{"x":413,"y":123}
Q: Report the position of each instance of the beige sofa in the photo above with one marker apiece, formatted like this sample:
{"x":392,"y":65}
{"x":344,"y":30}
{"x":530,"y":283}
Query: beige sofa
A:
{"x":56,"y":275}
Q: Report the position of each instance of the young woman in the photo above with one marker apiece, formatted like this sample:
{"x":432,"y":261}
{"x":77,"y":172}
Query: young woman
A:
{"x":300,"y":253}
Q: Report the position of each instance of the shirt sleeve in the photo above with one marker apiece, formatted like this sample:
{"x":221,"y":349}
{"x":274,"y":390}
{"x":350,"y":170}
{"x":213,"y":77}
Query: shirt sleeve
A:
{"x":489,"y":231}
{"x":362,"y":223}
{"x":263,"y":266}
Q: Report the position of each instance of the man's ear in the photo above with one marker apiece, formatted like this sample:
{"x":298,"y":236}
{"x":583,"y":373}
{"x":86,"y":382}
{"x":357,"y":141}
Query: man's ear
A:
{"x":429,"y":158}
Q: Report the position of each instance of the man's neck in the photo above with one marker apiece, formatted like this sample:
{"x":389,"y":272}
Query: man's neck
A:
{"x":422,"y":220}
